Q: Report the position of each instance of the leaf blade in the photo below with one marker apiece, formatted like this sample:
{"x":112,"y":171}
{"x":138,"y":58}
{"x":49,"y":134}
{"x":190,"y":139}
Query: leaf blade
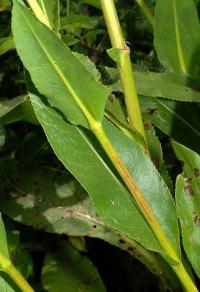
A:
{"x":177,"y":27}
{"x":188,"y":201}
{"x":73,"y":97}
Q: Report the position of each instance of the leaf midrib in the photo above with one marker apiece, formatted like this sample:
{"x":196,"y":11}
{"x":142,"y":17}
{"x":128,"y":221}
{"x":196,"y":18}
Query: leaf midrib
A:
{"x":180,"y":54}
{"x":178,"y":116}
{"x":71,"y":90}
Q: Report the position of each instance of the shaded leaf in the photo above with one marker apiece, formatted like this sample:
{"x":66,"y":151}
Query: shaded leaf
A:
{"x":177,"y":32}
{"x":188,"y":202}
{"x":164,"y":85}
{"x":156,"y":152}
{"x":174,"y":119}
{"x":67,"y":270}
{"x":6,"y":44}
{"x":78,"y":21}
{"x":8,"y":105}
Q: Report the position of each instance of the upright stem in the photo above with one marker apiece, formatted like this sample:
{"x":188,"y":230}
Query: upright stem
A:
{"x":143,"y":206}
{"x":7,"y":267}
{"x":147,"y":11}
{"x":125,"y":67}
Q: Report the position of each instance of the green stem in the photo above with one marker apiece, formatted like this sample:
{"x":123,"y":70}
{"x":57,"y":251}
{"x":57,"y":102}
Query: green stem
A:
{"x":125,"y":68}
{"x":177,"y":266}
{"x":7,"y":267}
{"x":147,"y":11}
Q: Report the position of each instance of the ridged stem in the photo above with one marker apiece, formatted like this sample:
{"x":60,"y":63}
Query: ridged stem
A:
{"x":125,"y":66}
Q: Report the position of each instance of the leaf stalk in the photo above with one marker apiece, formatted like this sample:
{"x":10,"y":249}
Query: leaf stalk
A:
{"x":7,"y":267}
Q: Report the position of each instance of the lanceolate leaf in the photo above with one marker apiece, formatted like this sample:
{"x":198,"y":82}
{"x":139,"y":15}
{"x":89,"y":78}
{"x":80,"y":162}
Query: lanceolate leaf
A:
{"x":79,"y":154}
{"x":148,"y":181}
{"x":164,"y":85}
{"x":54,"y":68}
{"x":116,"y":208}
{"x":188,"y":202}
{"x":177,"y":33}
{"x":174,"y":119}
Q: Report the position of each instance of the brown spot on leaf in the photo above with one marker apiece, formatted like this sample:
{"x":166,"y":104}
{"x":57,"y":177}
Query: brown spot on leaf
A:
{"x":197,"y":221}
{"x":188,"y":190}
{"x":187,"y":179}
{"x":197,"y":172}
{"x":151,"y":111}
{"x":147,"y":125}
{"x":111,"y":97}
{"x":156,"y":162}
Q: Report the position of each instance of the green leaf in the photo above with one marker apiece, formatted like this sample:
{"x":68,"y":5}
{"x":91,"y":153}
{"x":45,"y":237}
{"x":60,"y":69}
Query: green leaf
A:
{"x":78,"y":21}
{"x":77,"y":98}
{"x":51,"y":9}
{"x":188,"y":202}
{"x":6,"y":44}
{"x":149,"y":182}
{"x":67,"y":270}
{"x":95,"y":3}
{"x":22,"y":112}
{"x":116,"y":210}
{"x":174,"y":119}
{"x":177,"y":33}
{"x":156,"y":152}
{"x":8,"y":105}
{"x":3,"y":239}
{"x":111,"y":199}
{"x":164,"y":85}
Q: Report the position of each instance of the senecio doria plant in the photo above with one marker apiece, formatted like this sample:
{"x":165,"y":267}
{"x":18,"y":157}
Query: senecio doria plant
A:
{"x":72,"y":106}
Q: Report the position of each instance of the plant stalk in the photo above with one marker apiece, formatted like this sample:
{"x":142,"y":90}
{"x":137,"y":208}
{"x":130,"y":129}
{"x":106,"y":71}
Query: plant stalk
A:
{"x":178,"y":267}
{"x":125,"y":67}
{"x":147,"y":11}
{"x":7,"y":267}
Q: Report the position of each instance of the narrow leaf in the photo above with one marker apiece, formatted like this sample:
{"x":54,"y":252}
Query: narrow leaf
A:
{"x":174,"y":119}
{"x":164,"y":85}
{"x":78,"y":98}
{"x":111,"y":199}
{"x":188,"y":202}
{"x":177,"y":33}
